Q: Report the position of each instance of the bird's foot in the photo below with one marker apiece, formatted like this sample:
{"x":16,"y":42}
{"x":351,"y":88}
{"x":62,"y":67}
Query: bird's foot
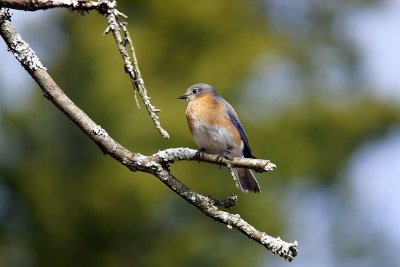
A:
{"x":226,"y":155}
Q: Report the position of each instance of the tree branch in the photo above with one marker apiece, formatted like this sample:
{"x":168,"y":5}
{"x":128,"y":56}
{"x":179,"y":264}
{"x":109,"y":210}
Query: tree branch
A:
{"x":183,"y":153}
{"x":33,"y":5}
{"x":156,"y":164}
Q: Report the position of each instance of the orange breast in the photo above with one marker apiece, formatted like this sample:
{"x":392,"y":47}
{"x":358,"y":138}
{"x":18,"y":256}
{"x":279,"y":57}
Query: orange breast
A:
{"x":207,"y":110}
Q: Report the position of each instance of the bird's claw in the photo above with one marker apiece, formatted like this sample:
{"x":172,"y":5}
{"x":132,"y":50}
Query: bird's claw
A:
{"x":226,"y":155}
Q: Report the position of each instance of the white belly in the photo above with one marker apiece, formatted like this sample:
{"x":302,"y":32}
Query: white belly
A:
{"x":215,"y":139}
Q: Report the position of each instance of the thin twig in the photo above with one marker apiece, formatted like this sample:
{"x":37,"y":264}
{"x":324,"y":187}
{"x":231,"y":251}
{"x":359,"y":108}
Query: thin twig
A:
{"x":131,"y":66}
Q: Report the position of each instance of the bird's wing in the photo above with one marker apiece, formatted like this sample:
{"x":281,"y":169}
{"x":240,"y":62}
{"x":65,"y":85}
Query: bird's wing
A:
{"x":235,"y":120}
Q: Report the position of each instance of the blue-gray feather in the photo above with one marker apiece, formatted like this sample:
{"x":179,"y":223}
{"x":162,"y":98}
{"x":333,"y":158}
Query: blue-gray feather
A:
{"x":233,"y":117}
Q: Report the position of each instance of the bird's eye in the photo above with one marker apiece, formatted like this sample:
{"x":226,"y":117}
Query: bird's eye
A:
{"x":195,"y":91}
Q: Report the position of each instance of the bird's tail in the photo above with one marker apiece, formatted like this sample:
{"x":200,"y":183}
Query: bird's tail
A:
{"x":248,"y":183}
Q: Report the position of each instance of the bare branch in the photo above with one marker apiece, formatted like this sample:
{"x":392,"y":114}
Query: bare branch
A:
{"x":184,"y":153}
{"x":276,"y":245}
{"x":33,"y":5}
{"x":132,"y":68}
{"x":156,"y":164}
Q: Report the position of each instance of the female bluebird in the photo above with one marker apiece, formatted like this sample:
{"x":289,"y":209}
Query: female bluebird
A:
{"x":216,"y":128}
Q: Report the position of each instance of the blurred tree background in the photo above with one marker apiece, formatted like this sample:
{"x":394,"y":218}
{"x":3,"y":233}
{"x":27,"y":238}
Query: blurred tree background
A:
{"x":283,"y":65}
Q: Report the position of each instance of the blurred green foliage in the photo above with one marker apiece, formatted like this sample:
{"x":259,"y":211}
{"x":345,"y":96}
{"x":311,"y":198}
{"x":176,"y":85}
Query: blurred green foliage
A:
{"x":75,"y":207}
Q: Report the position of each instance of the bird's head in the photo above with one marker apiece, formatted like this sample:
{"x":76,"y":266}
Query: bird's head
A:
{"x":198,"y":90}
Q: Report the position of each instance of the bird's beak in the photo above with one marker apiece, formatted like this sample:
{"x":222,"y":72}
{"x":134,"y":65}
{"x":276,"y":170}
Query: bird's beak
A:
{"x":182,"y":97}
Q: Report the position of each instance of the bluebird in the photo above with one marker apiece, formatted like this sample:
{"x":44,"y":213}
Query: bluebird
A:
{"x":216,"y":129}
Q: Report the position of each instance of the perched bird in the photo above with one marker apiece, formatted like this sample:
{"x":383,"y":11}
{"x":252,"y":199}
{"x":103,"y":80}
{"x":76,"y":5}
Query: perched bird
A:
{"x":216,"y":128}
